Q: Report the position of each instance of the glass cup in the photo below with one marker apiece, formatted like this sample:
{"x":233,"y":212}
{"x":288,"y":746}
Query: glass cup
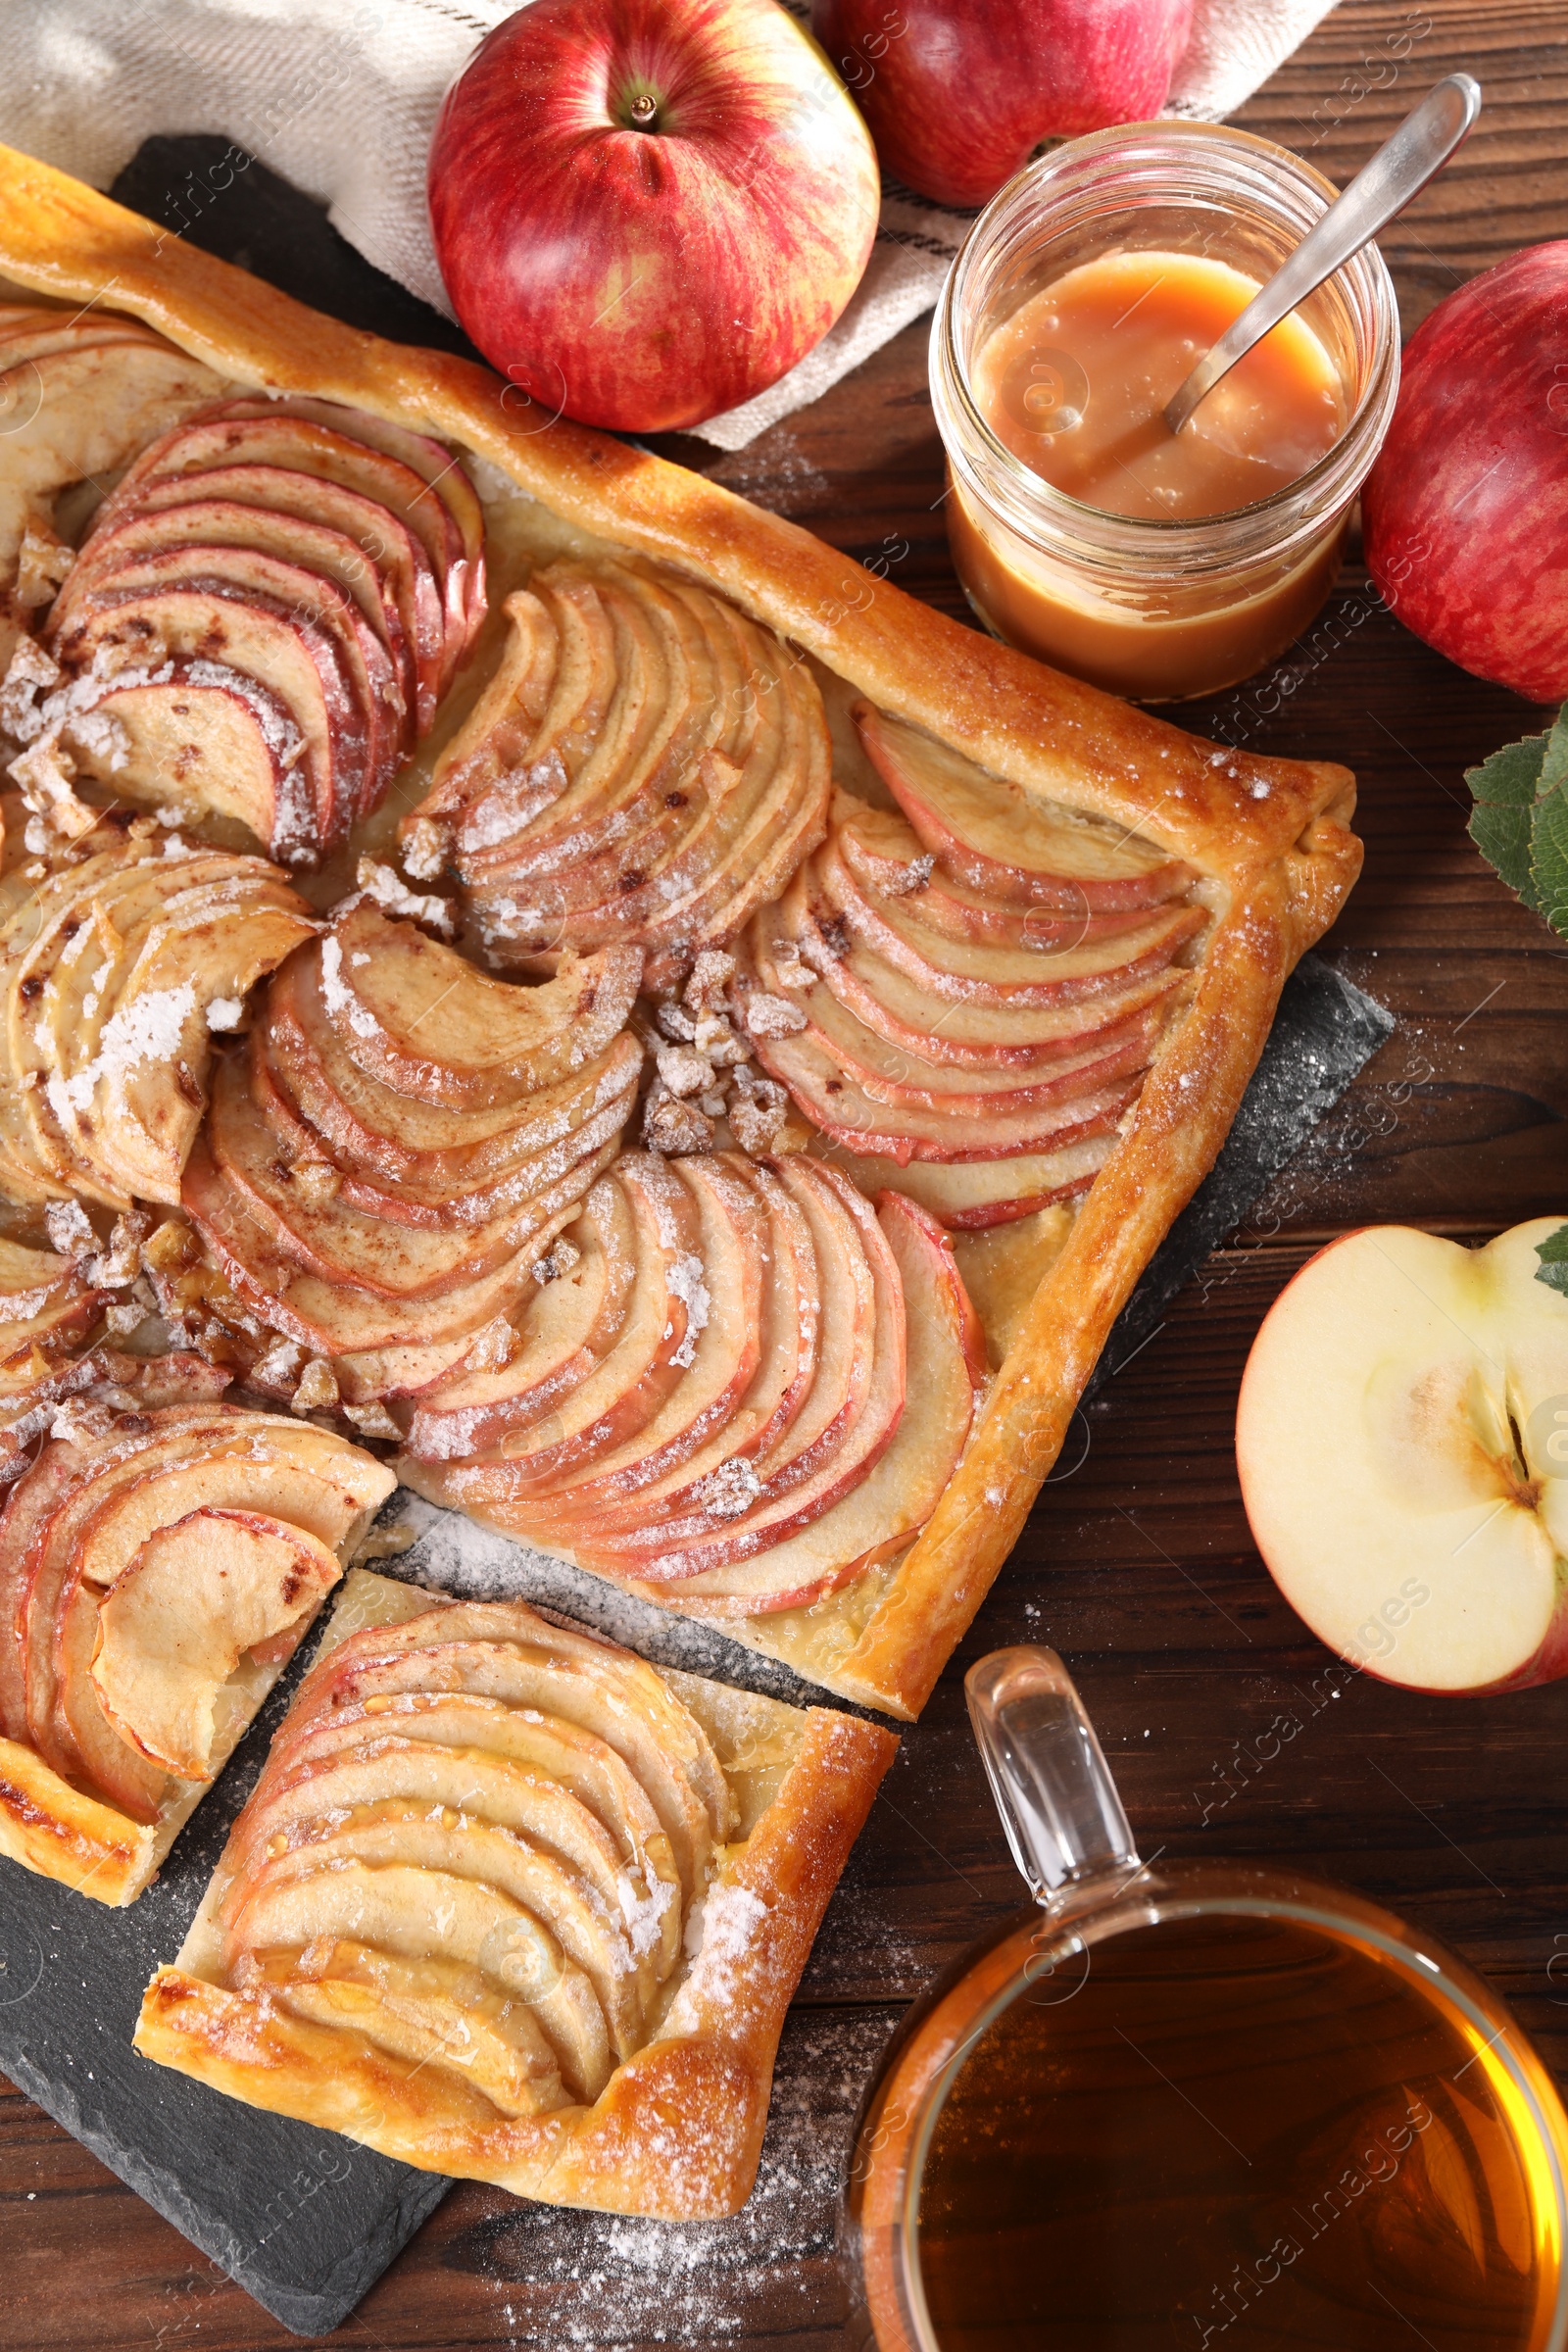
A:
{"x":1157,"y":610}
{"x":1196,"y":2105}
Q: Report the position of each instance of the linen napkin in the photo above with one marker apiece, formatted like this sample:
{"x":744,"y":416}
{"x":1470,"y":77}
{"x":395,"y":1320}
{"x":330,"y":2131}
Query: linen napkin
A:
{"x":341,"y":99}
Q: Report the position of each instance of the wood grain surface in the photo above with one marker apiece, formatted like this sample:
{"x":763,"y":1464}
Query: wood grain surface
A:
{"x":1136,"y":1563}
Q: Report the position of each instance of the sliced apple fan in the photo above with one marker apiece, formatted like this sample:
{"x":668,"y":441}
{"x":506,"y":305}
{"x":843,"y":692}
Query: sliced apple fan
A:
{"x":401,"y":1141}
{"x":262,"y":618}
{"x":158,"y":1566}
{"x":648,"y":765}
{"x":114,"y":971}
{"x":964,"y":996}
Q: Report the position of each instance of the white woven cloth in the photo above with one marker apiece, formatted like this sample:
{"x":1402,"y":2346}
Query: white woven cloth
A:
{"x":340,"y":97}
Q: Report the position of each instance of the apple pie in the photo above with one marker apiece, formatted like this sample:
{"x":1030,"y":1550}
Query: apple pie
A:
{"x":721,"y":1153}
{"x":508,"y":1903}
{"x":160,"y":1556}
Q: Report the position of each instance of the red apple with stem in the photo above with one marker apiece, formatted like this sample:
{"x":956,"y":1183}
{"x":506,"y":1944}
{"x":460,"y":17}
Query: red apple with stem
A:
{"x":1465,"y":512}
{"x":647,"y":211}
{"x":960,"y":92}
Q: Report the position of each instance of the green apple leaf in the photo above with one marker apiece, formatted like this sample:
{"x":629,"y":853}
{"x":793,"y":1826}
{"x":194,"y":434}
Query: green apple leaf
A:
{"x":1505,"y":788}
{"x":1554,"y":765}
{"x":1553,"y":1256}
{"x":1548,"y":857}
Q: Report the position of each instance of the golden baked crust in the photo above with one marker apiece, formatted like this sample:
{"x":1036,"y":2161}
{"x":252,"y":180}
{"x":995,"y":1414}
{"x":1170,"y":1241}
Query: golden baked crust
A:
{"x":1269,"y":838}
{"x":677,"y":2132}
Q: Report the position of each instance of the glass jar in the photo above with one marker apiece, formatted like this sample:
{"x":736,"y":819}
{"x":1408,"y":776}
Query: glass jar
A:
{"x":1155,"y":609}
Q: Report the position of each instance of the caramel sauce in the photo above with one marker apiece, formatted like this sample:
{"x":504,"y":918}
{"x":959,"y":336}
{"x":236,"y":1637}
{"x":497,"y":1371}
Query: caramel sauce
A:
{"x":1075,"y":383}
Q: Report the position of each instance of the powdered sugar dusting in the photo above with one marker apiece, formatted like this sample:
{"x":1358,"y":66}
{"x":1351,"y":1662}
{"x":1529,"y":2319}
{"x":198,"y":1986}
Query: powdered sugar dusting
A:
{"x":150,"y":1028}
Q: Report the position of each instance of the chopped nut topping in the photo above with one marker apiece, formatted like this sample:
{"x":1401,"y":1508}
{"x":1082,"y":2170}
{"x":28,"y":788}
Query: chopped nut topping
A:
{"x":318,"y":1389}
{"x":373,"y":1421}
{"x":389,"y":890}
{"x":768,"y":1016}
{"x":495,"y":1347}
{"x":280,"y":1366}
{"x":41,"y":565}
{"x":756,"y":1125}
{"x":315,"y":1180}
{"x":122,"y":1321}
{"x":562,"y":1256}
{"x":44,"y":772}
{"x":710,"y":975}
{"x":673,"y":1126}
{"x":426,"y":846}
{"x":70,"y":1233}
{"x":716,"y":1040}
{"x":683,"y":1071}
{"x":676,"y":1024}
{"x":728,"y":1491}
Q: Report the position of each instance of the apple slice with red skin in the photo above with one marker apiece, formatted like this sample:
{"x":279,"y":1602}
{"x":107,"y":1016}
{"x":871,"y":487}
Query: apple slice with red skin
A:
{"x":890,"y":1074}
{"x":372,"y":1129}
{"x":269,"y":561}
{"x":1401,"y":1440}
{"x":535,"y":1440}
{"x":791,"y":1321}
{"x":476,"y":1183}
{"x":1004,"y":977}
{"x":295,"y":663}
{"x":884,"y":858}
{"x":498,"y":1041}
{"x":971,"y":1196}
{"x":534,"y":724}
{"x":775,"y":1500}
{"x":378,"y":558}
{"x":338,"y":1243}
{"x":580,"y":1677}
{"x":453,"y":1727}
{"x":719,"y":1369}
{"x":79,"y":412}
{"x":202,"y":728}
{"x":564,"y":1331}
{"x":997,"y":838}
{"x":665,"y":709}
{"x":401,"y":1908}
{"x":447,"y":483}
{"x":658,"y":1749}
{"x":342,"y":1320}
{"x":459,"y":1780}
{"x":195,"y":1598}
{"x":336,"y":454}
{"x":948,"y":1030}
{"x":835,"y":1101}
{"x":409,"y":2008}
{"x":945,"y":1368}
{"x":390,"y":1830}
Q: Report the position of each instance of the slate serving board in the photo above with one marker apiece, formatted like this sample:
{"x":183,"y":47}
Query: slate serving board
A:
{"x":304,"y":2220}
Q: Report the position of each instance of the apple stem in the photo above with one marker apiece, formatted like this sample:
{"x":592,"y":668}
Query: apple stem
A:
{"x":644,"y":107}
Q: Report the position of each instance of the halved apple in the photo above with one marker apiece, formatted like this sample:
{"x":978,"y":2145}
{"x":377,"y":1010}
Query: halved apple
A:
{"x":1402,"y":1443}
{"x":178,"y":1618}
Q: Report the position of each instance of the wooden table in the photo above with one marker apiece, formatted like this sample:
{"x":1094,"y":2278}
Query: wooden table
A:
{"x":1136,"y":1563}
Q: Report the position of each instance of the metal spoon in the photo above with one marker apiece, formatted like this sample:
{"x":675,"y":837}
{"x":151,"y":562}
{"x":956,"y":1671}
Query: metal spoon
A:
{"x":1399,"y":169}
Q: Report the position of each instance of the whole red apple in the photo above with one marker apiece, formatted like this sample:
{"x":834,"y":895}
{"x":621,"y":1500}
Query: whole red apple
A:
{"x":1466,"y":511}
{"x":646,"y":211}
{"x":959,"y":92}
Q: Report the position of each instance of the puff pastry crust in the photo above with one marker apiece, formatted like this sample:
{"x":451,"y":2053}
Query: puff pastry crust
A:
{"x":1268,"y":839}
{"x":677,"y":2129}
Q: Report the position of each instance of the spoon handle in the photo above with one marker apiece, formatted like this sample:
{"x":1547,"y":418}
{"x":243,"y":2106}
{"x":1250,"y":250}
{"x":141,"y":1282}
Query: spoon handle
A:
{"x":1400,"y":170}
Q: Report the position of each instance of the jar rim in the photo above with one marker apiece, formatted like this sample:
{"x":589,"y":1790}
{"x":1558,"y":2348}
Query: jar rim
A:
{"x":1002,"y":479}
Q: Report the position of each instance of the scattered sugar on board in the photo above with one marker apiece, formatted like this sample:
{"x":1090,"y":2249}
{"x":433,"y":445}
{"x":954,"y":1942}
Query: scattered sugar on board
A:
{"x":603,"y":2283}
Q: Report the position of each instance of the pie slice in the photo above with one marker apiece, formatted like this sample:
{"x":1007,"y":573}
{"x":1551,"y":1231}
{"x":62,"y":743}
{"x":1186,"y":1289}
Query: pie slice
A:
{"x":508,"y":1903}
{"x":159,"y":1563}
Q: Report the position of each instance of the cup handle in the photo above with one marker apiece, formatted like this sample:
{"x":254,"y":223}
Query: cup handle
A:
{"x":1050,"y":1781}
